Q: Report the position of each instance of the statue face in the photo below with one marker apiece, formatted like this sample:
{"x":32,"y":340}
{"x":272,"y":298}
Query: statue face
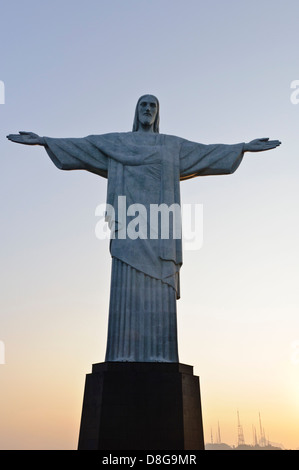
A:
{"x":147,"y":110}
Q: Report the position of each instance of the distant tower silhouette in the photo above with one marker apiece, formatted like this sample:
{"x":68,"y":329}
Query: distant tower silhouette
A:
{"x":218,"y":435}
{"x":254,"y":436}
{"x":263,"y":441}
{"x":241,"y":440}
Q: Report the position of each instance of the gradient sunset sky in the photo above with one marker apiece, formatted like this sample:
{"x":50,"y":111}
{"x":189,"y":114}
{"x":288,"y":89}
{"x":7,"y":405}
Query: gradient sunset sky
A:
{"x":222,"y":71}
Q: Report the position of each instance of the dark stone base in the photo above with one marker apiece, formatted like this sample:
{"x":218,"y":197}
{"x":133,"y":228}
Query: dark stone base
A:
{"x":141,"y":406}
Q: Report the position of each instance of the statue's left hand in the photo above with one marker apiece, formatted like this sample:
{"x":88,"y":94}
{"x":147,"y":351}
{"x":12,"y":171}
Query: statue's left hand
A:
{"x":260,"y":145}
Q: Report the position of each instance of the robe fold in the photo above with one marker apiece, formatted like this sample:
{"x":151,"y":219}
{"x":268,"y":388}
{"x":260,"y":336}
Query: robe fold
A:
{"x":146,"y":169}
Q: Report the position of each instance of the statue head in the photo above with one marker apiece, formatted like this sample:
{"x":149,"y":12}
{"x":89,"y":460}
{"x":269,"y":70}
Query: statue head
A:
{"x":147,"y":113}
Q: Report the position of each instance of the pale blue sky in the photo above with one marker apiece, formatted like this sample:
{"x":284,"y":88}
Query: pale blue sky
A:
{"x":222,"y":72}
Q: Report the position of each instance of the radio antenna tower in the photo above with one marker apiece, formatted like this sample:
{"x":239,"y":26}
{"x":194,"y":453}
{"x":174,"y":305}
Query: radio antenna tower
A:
{"x":218,"y":435}
{"x":255,"y":442}
{"x":263,"y":441}
{"x":241,"y":440}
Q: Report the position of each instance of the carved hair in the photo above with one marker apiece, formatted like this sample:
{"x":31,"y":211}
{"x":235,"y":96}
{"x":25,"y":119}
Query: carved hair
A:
{"x":157,"y":120}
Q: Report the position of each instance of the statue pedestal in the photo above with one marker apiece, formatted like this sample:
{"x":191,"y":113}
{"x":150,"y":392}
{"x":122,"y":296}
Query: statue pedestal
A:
{"x":141,"y":406}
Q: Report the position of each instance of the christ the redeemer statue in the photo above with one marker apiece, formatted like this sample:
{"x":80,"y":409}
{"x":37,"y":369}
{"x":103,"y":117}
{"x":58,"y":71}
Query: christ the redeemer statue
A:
{"x":146,"y":168}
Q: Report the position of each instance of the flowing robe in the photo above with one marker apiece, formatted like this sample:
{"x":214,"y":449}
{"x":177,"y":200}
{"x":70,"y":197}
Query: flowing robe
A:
{"x":144,"y":169}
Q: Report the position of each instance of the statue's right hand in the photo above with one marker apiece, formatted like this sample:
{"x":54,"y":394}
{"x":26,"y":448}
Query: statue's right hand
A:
{"x":27,"y":138}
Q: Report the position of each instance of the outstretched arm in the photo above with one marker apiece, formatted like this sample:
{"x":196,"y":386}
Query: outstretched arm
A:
{"x":217,"y":159}
{"x":68,"y":153}
{"x":26,"y":138}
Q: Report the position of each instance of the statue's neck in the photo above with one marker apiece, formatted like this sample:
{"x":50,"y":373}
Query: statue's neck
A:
{"x":146,"y":129}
